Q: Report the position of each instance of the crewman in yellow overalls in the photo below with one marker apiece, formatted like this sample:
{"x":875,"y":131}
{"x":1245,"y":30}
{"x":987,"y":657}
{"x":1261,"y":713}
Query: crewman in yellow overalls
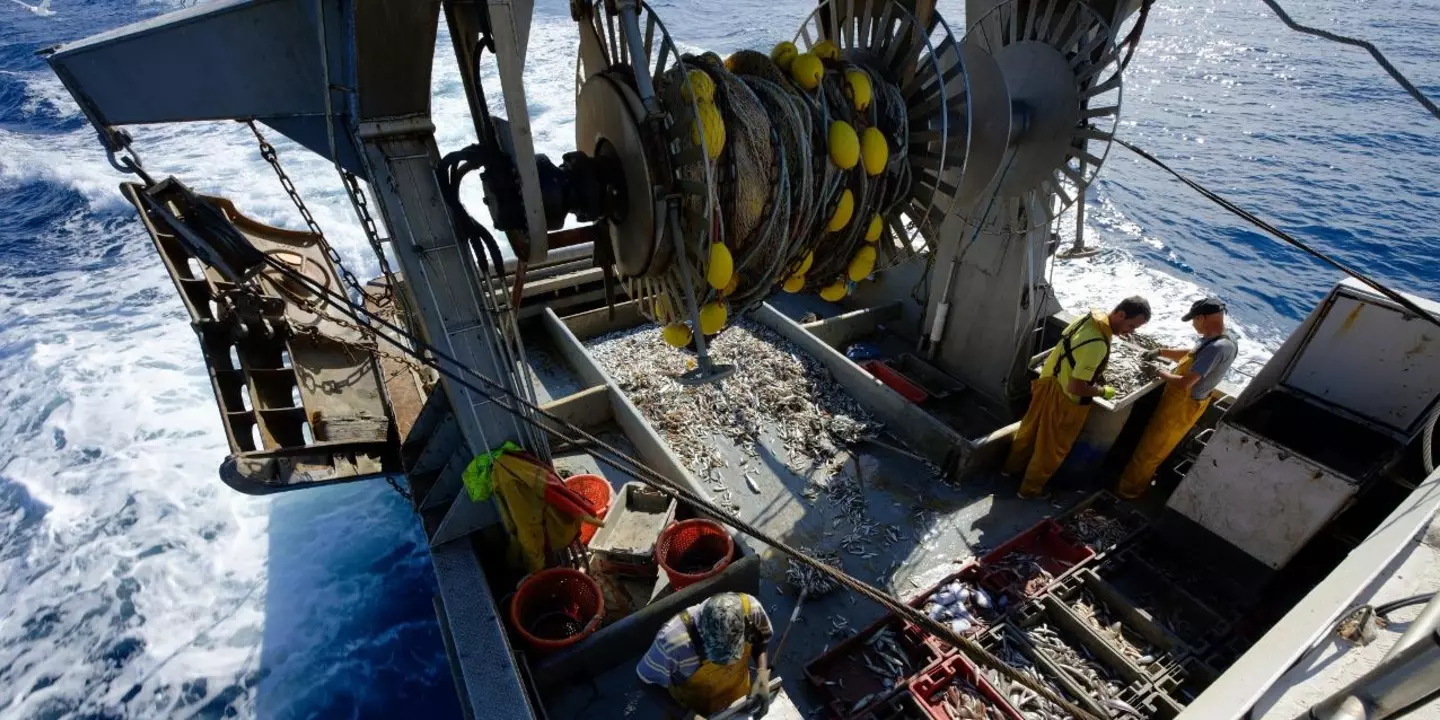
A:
{"x":703,"y":655}
{"x":1072,"y":377}
{"x":1187,"y":393}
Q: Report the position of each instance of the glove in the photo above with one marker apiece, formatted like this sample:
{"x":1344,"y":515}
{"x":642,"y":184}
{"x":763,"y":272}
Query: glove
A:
{"x":760,"y":693}
{"x":1108,"y":392}
{"x":1151,"y":355}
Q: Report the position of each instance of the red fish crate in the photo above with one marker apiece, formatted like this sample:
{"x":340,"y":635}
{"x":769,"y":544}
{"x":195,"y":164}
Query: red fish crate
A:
{"x":1019,"y":567}
{"x":897,"y":382}
{"x":972,"y":574}
{"x":949,"y":680}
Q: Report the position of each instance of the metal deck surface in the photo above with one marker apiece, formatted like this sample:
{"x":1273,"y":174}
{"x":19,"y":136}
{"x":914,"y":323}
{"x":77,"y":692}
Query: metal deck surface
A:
{"x":1335,"y":662}
{"x":960,"y":523}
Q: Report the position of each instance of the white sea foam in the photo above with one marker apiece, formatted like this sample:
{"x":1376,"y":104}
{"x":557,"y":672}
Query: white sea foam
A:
{"x":1102,"y":280}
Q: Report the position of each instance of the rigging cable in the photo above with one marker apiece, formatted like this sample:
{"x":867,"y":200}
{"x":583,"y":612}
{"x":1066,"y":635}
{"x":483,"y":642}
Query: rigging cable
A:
{"x":1246,"y":215}
{"x":1132,"y":40}
{"x":1370,"y":47}
{"x":508,"y":400}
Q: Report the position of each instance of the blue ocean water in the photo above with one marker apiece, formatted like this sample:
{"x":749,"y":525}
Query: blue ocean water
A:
{"x":133,"y":584}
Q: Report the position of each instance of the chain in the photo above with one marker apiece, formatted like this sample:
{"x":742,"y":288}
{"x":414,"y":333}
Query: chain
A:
{"x":372,"y":231}
{"x":267,"y":151}
{"x":369,"y":347}
{"x":402,"y":492}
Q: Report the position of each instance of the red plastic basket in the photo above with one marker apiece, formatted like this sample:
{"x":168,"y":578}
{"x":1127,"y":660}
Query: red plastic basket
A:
{"x":691,"y":550}
{"x":945,"y":673}
{"x":597,"y":490}
{"x":840,"y":673}
{"x":556,"y":608}
{"x":972,"y":573}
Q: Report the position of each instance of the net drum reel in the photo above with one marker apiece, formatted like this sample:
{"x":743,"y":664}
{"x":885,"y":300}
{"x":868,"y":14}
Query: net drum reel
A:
{"x":924,"y":85}
{"x":635,"y":101}
{"x":745,"y":176}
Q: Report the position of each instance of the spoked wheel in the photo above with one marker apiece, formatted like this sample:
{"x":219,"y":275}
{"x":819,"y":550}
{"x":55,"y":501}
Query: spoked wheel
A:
{"x":1058,"y":64}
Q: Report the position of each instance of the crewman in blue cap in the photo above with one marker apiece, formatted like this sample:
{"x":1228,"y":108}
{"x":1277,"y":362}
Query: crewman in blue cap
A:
{"x":1187,"y":393}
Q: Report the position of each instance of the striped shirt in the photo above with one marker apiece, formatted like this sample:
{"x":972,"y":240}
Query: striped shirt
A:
{"x":672,"y":659}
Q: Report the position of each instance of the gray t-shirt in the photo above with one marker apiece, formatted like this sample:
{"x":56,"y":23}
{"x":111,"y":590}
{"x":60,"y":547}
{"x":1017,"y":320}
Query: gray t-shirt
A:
{"x":1212,"y":361}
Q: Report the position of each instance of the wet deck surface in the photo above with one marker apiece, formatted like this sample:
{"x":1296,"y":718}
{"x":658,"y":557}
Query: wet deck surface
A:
{"x":550,"y":375}
{"x":939,"y":527}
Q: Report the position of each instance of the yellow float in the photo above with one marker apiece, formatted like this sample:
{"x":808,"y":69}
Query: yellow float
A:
{"x":862,"y":264}
{"x":807,"y":70}
{"x":834,"y":291}
{"x":857,"y":88}
{"x":721,"y":268}
{"x":874,"y":151}
{"x":712,"y":317}
{"x":826,"y":50}
{"x":844,"y":145}
{"x":677,"y":335}
{"x":877,"y":226}
{"x":784,"y":54}
{"x":841,"y":217}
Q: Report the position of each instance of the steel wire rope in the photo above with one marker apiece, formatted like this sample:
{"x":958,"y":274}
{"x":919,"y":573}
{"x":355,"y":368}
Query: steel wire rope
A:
{"x":1286,"y":237}
{"x":576,"y":436}
{"x":1380,"y":58}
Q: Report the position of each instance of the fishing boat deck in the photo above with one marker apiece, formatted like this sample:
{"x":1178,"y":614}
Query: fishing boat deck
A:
{"x":959,"y":523}
{"x":938,"y":526}
{"x":915,"y":527}
{"x":1334,"y":662}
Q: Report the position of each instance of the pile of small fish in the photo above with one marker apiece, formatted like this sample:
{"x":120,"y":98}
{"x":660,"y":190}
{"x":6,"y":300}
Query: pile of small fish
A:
{"x":1096,"y":529}
{"x":962,"y":701}
{"x":1097,"y":680}
{"x":808,"y":580}
{"x":1126,"y":368}
{"x":1098,"y":615}
{"x":963,"y":605}
{"x":776,"y":386}
{"x":1031,"y":705}
{"x":1030,"y":574}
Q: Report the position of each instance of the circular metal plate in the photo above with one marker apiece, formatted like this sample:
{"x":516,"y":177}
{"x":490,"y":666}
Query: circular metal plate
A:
{"x":1043,"y":90}
{"x":607,"y":123}
{"x":989,"y":122}
{"x":1061,"y":68}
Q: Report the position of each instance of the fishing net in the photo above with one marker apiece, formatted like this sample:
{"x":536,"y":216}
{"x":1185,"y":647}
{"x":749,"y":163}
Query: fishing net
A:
{"x":786,"y":213}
